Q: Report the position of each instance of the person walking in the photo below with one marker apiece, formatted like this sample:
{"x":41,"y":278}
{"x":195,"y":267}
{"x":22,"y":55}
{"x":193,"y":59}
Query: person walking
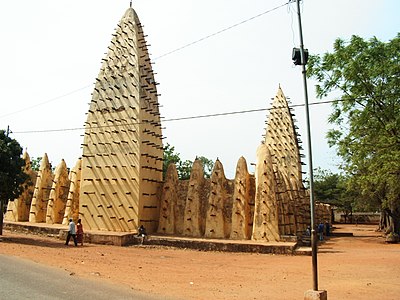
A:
{"x":71,"y":233}
{"x":79,"y":232}
{"x":327,"y":228}
{"x":321,"y":231}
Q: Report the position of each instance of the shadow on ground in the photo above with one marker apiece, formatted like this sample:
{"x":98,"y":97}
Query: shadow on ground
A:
{"x":34,"y":241}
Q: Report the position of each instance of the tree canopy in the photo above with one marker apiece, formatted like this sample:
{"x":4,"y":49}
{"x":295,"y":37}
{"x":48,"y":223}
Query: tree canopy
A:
{"x":35,"y":163}
{"x":184,"y":167}
{"x":363,"y":78}
{"x":12,"y":175}
{"x":338,"y":190}
{"x":328,"y":187}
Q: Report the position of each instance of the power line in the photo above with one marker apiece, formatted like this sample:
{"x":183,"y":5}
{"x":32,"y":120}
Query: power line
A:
{"x":222,"y":30}
{"x":243,"y":111}
{"x":177,"y":119}
{"x":47,"y":101}
{"x":158,"y":57}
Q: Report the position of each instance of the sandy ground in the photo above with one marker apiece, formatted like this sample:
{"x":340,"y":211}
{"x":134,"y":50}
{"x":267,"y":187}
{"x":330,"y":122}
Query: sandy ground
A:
{"x":358,"y":267}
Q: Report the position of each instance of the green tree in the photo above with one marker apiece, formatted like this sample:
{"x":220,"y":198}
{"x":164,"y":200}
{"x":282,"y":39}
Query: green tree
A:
{"x":170,"y":157}
{"x":328,"y":187}
{"x":364,"y":75}
{"x":11,"y":172}
{"x":35,"y":163}
{"x":183,"y":167}
{"x":335,"y":190}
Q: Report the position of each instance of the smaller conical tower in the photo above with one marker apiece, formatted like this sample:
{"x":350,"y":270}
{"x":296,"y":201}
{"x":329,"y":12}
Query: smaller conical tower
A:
{"x":44,"y":181}
{"x":282,"y":139}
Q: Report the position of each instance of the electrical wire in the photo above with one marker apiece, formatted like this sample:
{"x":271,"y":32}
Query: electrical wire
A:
{"x":222,"y":31}
{"x":47,"y":101}
{"x":290,"y":11}
{"x":176,"y":119}
{"x":158,"y":57}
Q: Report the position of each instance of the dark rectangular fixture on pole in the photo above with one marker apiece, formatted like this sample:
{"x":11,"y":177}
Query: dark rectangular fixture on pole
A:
{"x":296,"y":57}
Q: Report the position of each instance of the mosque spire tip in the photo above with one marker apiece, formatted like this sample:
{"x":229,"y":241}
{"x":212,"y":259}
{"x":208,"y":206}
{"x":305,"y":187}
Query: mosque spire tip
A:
{"x":130,"y":4}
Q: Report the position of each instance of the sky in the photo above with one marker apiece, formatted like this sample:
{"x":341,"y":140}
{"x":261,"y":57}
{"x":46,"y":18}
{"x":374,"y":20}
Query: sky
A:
{"x":51,"y":54}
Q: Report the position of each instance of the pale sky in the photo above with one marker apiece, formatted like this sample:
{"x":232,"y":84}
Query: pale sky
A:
{"x":51,"y":54}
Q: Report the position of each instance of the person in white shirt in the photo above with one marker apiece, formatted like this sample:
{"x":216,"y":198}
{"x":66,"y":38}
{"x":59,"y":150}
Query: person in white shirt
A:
{"x":71,"y":232}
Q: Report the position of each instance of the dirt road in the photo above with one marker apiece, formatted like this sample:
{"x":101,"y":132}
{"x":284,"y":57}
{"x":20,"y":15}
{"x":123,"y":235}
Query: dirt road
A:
{"x":358,"y":267}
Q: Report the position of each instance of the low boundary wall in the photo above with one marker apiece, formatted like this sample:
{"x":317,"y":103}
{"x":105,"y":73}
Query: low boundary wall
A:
{"x":128,"y":239}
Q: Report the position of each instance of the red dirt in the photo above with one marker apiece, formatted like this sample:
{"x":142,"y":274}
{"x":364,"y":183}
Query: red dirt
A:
{"x":359,"y":267}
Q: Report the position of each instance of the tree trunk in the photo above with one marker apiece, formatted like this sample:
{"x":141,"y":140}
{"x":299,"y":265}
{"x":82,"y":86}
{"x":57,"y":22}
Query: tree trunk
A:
{"x":396,"y":221}
{"x":389,"y":221}
{"x":384,"y":221}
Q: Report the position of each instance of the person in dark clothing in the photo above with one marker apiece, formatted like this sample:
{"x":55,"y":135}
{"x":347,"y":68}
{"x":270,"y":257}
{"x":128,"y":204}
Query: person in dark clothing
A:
{"x":321,"y":231}
{"x":327,"y":228}
{"x":142,"y":231}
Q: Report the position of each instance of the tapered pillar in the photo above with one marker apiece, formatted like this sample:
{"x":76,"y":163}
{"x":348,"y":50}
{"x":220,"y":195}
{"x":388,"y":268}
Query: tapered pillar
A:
{"x":122,"y":148}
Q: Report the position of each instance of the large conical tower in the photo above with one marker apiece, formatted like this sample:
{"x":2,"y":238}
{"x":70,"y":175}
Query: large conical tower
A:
{"x":122,"y":148}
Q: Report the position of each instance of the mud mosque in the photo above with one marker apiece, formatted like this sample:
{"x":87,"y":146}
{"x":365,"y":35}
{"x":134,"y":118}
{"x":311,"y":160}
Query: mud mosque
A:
{"x":118,"y":185}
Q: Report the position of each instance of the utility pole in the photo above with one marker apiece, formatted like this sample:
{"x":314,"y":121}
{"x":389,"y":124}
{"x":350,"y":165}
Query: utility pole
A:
{"x":314,"y":246}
